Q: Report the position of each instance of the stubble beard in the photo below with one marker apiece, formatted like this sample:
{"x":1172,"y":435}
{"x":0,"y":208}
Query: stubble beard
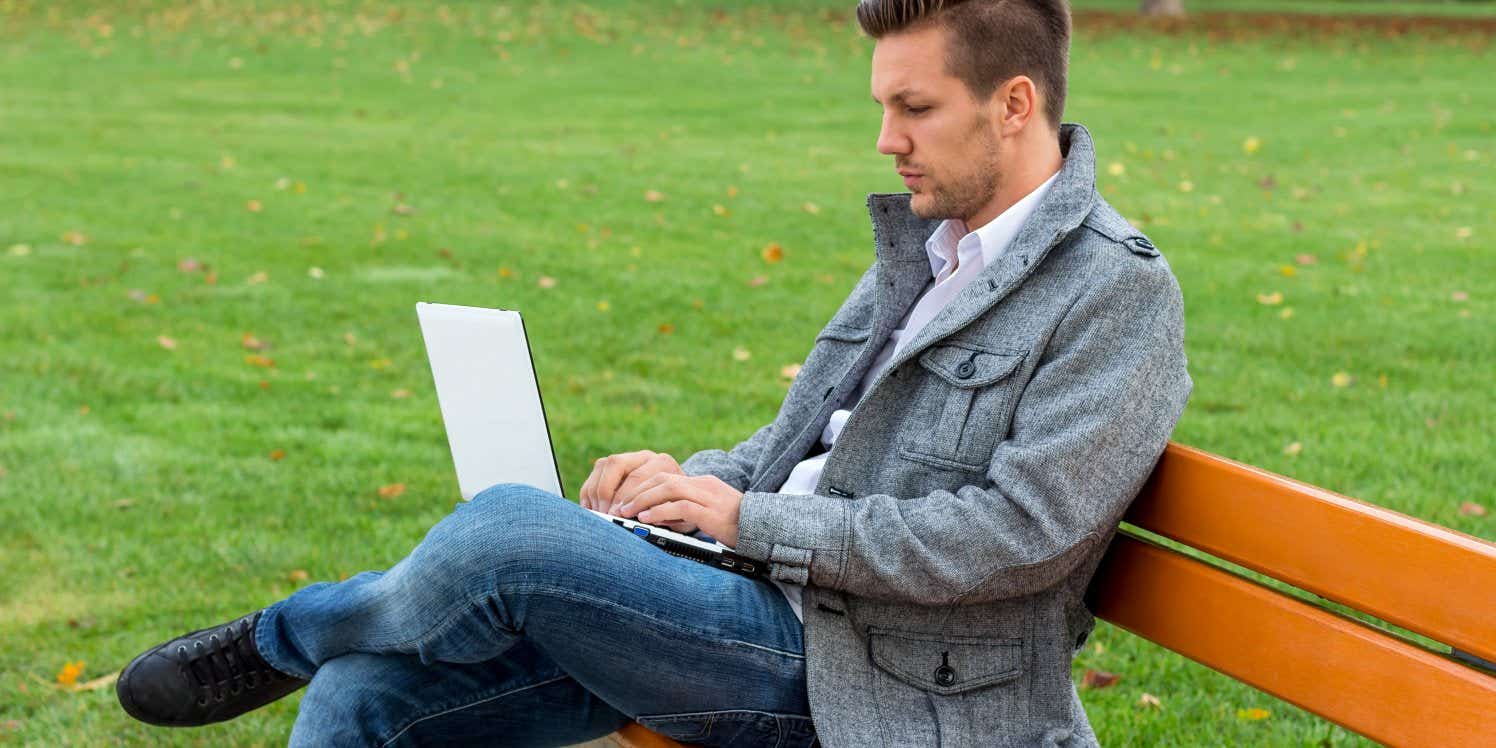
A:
{"x":966,"y":191}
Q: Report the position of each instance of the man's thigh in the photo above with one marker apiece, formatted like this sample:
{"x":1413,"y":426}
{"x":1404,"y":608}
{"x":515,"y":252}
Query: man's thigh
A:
{"x":395,"y":699}
{"x":680,"y":645}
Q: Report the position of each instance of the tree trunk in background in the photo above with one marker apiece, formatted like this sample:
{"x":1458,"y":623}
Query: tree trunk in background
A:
{"x":1162,"y":8}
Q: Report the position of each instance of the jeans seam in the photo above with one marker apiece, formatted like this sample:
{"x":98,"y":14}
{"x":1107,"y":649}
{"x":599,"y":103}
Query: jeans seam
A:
{"x":570,"y":595}
{"x":470,"y":705}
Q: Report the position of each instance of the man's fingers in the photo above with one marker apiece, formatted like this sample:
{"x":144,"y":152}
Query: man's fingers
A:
{"x":611,"y":471}
{"x":660,"y":463}
{"x":681,"y":510}
{"x":659,"y":488}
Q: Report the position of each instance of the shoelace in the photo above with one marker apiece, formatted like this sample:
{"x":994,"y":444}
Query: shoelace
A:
{"x":226,"y":665}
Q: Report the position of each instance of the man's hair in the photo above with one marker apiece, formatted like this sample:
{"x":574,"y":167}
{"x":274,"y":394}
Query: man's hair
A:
{"x":991,"y":41}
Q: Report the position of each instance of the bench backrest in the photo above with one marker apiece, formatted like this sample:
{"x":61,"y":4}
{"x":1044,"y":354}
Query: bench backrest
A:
{"x":1427,"y":579}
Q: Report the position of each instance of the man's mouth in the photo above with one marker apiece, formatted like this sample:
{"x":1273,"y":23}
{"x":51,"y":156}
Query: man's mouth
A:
{"x":911,"y":177}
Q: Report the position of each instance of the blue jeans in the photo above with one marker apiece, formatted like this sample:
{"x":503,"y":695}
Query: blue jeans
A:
{"x":522,"y":619}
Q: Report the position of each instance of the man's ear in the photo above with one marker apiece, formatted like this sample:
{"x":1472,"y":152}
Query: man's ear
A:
{"x":1013,"y":104}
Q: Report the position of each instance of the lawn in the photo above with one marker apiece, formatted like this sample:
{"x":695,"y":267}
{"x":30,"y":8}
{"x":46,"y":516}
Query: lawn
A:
{"x":215,"y":219}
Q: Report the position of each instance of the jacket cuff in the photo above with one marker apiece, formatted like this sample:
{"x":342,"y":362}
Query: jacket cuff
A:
{"x":802,"y":537}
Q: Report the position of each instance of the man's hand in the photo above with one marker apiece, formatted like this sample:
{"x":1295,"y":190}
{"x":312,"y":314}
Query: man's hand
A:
{"x":704,"y":501}
{"x":616,"y":478}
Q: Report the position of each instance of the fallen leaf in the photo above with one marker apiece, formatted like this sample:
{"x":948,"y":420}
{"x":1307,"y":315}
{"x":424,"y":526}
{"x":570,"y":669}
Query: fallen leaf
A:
{"x":75,"y":238}
{"x":1251,"y":145}
{"x":1293,"y":449}
{"x":1285,"y":312}
{"x":546,"y":281}
{"x":84,"y":410}
{"x":1186,"y":186}
{"x":253,"y":343}
{"x":20,"y":250}
{"x":1253,"y":714}
{"x":789,"y":371}
{"x":255,"y":359}
{"x":298,"y":575}
{"x":1472,"y":509}
{"x":1305,"y":259}
{"x":169,"y":344}
{"x":400,"y":394}
{"x":1288,"y":271}
{"x":123,"y":503}
{"x":732,"y":190}
{"x":1099,"y":679}
{"x":1267,"y":182}
{"x":264,"y":384}
{"x":772,"y":252}
{"x":1270,"y":299}
{"x":1463,"y":232}
{"x":1341,"y":379}
{"x":68,"y":676}
{"x":666,"y":328}
{"x":721,"y":210}
{"x":253,"y":206}
{"x":349,"y":338}
{"x":189,"y":265}
{"x":1150,"y":701}
{"x":1459,"y":296}
{"x":97,"y":683}
{"x":758,"y":280}
{"x":276,"y":455}
{"x":506,"y":273}
{"x":257,"y":278}
{"x":391,"y":491}
{"x":315,"y":273}
{"x":603,"y":305}
{"x":741,"y":354}
{"x":1116,"y":169}
{"x":654,"y":196}
{"x":811,"y":208}
{"x":381,"y":363}
{"x":226,"y":163}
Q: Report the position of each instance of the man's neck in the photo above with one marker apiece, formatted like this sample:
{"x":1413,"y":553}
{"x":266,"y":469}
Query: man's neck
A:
{"x":1027,"y":172}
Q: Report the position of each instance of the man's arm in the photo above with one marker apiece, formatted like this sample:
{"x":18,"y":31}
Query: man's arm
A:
{"x":1087,"y":431}
{"x":733,"y":467}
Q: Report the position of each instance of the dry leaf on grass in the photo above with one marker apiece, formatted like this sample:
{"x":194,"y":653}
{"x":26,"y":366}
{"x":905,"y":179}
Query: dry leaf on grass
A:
{"x":1150,"y":701}
{"x":1099,"y":679}
{"x":1472,"y":509}
{"x":391,"y":491}
{"x":169,"y":344}
{"x":772,"y":252}
{"x":1253,"y":714}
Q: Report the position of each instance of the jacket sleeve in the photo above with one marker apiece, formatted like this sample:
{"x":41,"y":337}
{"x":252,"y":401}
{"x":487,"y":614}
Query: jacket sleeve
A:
{"x":1086,"y":432}
{"x":735,"y":466}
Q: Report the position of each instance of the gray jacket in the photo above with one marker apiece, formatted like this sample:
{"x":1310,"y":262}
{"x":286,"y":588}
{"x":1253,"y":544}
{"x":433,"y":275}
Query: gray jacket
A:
{"x":976,"y":485}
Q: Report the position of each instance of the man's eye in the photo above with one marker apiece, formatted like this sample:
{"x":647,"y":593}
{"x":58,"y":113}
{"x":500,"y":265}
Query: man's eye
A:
{"x":917,"y":109}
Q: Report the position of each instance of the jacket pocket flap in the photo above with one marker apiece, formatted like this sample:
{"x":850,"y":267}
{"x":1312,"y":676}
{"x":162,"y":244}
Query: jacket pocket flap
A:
{"x":963,"y":366}
{"x":843,"y":333}
{"x":945,"y":664}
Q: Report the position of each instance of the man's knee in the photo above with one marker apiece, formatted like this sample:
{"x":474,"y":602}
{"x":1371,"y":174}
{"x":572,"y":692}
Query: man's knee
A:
{"x":509,"y":522}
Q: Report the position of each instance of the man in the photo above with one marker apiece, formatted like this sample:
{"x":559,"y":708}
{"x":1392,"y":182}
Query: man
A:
{"x":932,"y":498}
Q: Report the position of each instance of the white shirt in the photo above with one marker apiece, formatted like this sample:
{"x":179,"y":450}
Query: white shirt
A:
{"x":955,"y":260}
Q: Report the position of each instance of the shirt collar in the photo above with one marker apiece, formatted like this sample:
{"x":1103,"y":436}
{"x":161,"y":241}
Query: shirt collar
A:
{"x":951,"y":238}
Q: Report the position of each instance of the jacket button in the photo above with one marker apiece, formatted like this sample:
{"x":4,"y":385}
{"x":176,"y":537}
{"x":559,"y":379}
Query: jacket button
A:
{"x":945,"y":675}
{"x":966,"y":369}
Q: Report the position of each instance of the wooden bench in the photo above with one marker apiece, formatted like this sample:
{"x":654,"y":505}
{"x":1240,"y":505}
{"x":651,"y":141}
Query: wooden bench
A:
{"x":1325,"y":644}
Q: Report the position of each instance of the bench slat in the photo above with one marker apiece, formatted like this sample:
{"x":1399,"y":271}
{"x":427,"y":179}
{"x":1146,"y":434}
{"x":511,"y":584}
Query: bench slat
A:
{"x":635,"y":735}
{"x":1346,"y":672}
{"x":1423,"y":577}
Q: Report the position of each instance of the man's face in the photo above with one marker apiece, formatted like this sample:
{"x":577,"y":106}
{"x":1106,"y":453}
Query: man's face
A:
{"x":940,"y":137}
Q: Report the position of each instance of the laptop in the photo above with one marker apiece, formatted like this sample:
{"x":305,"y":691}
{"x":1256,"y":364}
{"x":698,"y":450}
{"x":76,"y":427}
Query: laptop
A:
{"x":496,"y":425}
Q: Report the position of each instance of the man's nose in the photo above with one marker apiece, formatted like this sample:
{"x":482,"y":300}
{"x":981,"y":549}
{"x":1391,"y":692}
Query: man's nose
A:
{"x":890,"y":140}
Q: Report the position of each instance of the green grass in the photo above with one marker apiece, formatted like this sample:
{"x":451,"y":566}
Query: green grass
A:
{"x":138,"y":497}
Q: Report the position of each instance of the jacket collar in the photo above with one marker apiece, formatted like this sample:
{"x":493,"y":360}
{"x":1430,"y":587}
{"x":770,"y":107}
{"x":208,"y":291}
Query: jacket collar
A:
{"x":904,"y":269}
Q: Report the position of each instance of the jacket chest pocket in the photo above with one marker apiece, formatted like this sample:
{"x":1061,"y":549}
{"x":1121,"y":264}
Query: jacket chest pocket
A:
{"x":962,"y":408}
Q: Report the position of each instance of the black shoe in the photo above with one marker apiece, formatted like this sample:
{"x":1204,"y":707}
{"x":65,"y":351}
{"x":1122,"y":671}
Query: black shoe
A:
{"x":207,"y":676}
